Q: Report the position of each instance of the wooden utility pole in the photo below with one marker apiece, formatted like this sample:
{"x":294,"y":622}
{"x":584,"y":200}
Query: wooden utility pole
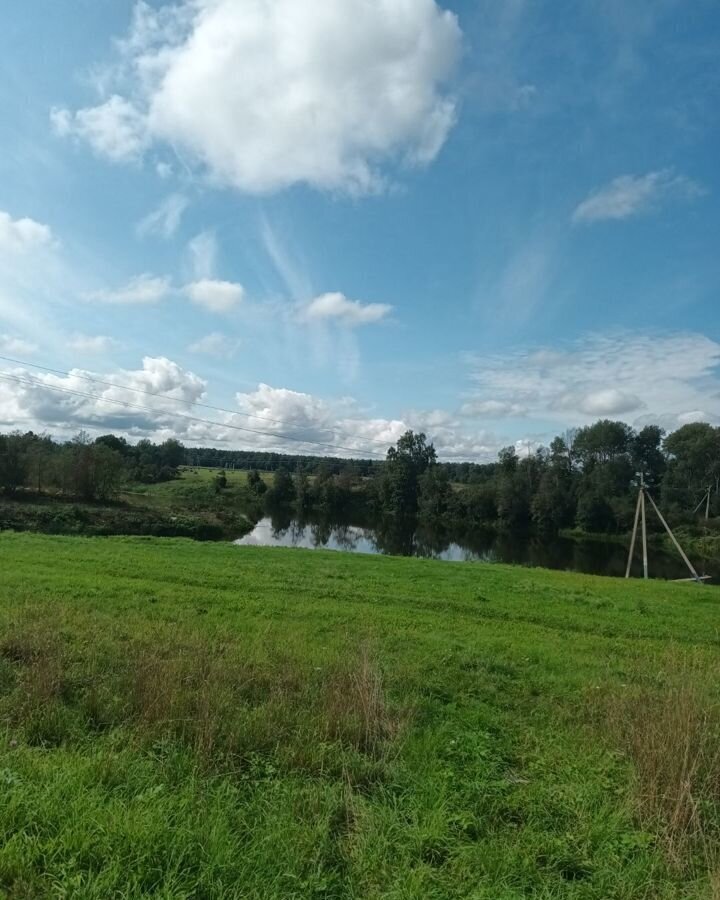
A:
{"x":644,"y":530}
{"x":640,"y":515}
{"x":675,"y":541}
{"x":638,"y":507}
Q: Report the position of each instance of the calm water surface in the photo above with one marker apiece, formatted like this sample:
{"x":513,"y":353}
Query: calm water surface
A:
{"x":594,"y":557}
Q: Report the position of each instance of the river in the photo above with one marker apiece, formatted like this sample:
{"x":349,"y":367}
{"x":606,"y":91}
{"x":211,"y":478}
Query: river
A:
{"x":590,"y":556}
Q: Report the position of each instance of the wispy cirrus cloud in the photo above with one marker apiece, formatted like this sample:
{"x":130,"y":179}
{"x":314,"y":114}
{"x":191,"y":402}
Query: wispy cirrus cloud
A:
{"x":164,"y":221}
{"x":11,"y":345}
{"x":633,"y":195}
{"x":216,"y":344}
{"x":141,"y":290}
{"x":93,"y":343}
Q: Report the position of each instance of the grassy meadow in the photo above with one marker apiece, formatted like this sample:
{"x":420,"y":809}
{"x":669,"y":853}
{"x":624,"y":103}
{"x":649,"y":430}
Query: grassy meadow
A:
{"x":186,"y":720}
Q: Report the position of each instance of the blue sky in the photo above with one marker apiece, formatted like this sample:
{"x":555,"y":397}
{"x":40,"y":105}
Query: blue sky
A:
{"x":489,"y":220}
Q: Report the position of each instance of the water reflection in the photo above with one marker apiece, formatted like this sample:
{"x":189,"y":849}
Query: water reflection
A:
{"x":398,"y":538}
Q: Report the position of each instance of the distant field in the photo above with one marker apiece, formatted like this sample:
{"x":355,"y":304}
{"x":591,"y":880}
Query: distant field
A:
{"x":185,"y":720}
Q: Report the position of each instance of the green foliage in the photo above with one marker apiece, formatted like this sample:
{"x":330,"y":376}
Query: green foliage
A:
{"x":256,"y":483}
{"x":594,"y":513}
{"x":406,"y":463}
{"x":283,"y":488}
{"x":14,"y":463}
{"x":185,"y":720}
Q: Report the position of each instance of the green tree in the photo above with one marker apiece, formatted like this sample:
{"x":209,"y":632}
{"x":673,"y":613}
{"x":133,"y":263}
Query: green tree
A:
{"x":283,"y":488}
{"x":256,"y":484}
{"x":601,"y":442}
{"x":405,"y":464}
{"x":435,"y":495}
{"x":13,"y":463}
{"x":647,"y":455}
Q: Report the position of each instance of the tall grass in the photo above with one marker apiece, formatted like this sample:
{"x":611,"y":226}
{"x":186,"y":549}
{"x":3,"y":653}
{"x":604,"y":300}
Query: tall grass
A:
{"x":228,"y":703}
{"x":669,"y":726}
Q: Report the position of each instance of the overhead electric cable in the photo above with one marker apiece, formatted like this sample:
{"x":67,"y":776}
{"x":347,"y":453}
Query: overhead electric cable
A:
{"x":32,"y":382}
{"x":93,"y":380}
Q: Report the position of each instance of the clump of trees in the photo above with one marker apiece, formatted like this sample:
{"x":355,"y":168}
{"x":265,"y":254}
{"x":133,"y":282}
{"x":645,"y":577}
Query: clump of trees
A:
{"x":82,"y":468}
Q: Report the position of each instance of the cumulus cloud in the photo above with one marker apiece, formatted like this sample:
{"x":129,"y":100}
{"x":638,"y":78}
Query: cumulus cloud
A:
{"x":266,"y":94}
{"x":215,"y":344}
{"x":609,"y":402}
{"x":635,"y":377}
{"x":38,"y":400}
{"x":21,"y":235}
{"x":144,"y":289}
{"x":268,"y":418}
{"x":338,"y":308}
{"x":15,"y":346}
{"x":296,"y":417}
{"x":632,"y":195}
{"x":115,"y":129}
{"x":165,"y":220}
{"x":216,"y":296}
{"x":96,"y":343}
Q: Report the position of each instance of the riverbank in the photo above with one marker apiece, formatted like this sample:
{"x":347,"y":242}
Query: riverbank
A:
{"x":183,"y":718}
{"x":188,"y":506}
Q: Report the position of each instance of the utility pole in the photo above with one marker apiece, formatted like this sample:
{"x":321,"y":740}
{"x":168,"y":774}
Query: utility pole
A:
{"x":640,"y":515}
{"x":644,"y":527}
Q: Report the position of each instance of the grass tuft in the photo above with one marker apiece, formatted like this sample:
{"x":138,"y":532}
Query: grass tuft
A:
{"x":670,"y":728}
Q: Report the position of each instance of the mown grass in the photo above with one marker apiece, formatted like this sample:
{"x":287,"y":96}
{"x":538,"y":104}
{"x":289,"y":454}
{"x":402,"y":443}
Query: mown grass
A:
{"x":201,"y":721}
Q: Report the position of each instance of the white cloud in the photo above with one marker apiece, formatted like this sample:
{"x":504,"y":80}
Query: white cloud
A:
{"x":215,"y":344}
{"x":609,"y":402}
{"x":267,"y":418}
{"x":203,"y":251}
{"x":337,"y":308}
{"x":144,"y":289}
{"x":15,"y":346}
{"x":98,"y":343}
{"x":632,"y":195}
{"x":296,"y":417}
{"x":115,"y":129}
{"x":264,"y":95}
{"x":42,"y":403}
{"x":217,"y":296}
{"x":494,"y":409}
{"x":20,"y":235}
{"x":165,"y":220}
{"x":639,"y":378}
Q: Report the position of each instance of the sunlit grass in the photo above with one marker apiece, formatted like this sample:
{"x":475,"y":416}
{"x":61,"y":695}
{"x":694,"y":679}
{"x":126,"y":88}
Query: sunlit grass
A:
{"x":186,"y":720}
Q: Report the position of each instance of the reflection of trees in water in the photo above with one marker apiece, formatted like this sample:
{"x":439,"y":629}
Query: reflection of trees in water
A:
{"x":395,"y":536}
{"x":280,"y":520}
{"x":346,"y":537}
{"x":431,"y":540}
{"x":321,"y":532}
{"x":407,"y":537}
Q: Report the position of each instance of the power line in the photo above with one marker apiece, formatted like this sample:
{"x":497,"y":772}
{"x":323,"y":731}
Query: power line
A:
{"x":191,"y":403}
{"x":32,"y":382}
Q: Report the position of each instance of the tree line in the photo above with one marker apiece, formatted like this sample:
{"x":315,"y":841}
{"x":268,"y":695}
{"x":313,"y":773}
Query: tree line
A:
{"x":83,"y":468}
{"x":585,"y":480}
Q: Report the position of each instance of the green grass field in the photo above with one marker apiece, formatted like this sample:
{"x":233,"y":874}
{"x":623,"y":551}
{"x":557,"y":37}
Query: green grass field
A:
{"x":184,"y":720}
